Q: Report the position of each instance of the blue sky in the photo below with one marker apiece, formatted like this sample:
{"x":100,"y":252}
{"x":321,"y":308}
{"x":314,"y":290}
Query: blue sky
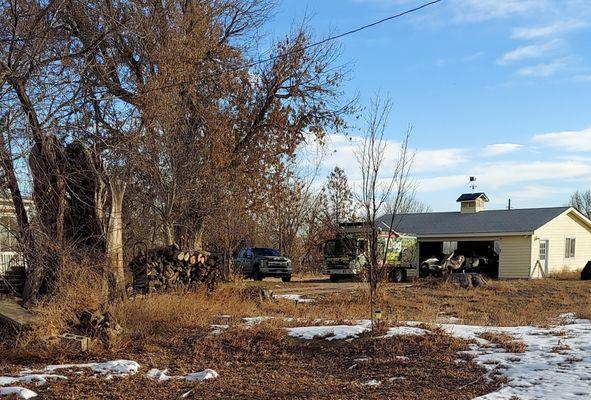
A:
{"x":496,"y":89}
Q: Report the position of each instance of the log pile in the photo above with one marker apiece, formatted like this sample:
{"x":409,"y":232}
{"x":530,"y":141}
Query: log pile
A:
{"x":465,"y":280}
{"x":168,"y":268}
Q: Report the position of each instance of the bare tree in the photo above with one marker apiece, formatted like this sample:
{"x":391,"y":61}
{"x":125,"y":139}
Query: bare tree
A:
{"x":380,"y":185}
{"x":582,"y":202}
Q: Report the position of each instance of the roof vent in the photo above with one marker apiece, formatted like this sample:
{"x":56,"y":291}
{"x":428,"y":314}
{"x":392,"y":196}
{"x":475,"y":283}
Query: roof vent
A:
{"x":471,"y":203}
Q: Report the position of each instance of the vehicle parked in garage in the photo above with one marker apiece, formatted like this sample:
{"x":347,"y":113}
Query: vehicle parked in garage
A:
{"x":261,"y":262}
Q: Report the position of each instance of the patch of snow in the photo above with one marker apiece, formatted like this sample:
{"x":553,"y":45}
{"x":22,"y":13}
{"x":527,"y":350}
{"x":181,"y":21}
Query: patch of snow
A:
{"x":361,"y":359}
{"x":405,"y":330}
{"x":249,"y":321}
{"x":402,"y":358}
{"x":161,"y":375}
{"x":37,"y":379}
{"x":109,"y":368}
{"x":217,"y":329}
{"x":541,"y":372}
{"x":202,"y":375}
{"x":158,"y":375}
{"x":330,"y":332}
{"x":397,"y":378}
{"x":295,"y":297}
{"x":186,"y":394}
{"x":21,"y":392}
{"x":373,"y":382}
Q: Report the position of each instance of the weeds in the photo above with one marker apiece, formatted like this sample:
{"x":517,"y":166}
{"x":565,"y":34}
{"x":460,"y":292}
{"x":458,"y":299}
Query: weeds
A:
{"x":508,"y":342}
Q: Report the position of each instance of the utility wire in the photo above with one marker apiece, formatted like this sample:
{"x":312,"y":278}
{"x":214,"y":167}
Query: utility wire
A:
{"x":302,"y":49}
{"x":340,"y":35}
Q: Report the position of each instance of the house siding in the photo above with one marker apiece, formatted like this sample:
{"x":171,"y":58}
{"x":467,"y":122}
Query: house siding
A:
{"x":515,"y":258}
{"x":556,"y":231}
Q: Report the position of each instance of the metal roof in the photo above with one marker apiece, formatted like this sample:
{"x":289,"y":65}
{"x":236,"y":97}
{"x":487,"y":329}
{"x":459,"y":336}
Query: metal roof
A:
{"x":472,"y":197}
{"x":515,"y":221}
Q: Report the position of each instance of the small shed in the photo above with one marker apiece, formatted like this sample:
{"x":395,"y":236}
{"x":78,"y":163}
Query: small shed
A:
{"x":524,"y":243}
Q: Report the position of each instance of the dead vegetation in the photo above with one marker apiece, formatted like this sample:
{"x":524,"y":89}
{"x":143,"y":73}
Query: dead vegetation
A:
{"x":263,"y":362}
{"x":507,"y":342}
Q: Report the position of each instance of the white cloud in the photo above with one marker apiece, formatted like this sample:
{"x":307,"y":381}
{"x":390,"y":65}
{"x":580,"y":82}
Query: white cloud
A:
{"x":545,"y":69}
{"x":576,"y":141}
{"x":534,"y":192}
{"x":528,"y":52}
{"x":497,"y":175}
{"x":482,"y":10}
{"x":498,"y":149}
{"x":557,"y":28}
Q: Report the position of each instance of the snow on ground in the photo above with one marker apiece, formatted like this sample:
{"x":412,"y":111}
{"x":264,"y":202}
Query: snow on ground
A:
{"x":161,"y":375}
{"x":405,"y":330}
{"x":555,"y":365}
{"x":217,"y":329}
{"x":330,"y":332}
{"x":20,"y":392}
{"x":110,"y":368}
{"x":295,"y":297}
{"x":249,"y":321}
{"x":37,"y":379}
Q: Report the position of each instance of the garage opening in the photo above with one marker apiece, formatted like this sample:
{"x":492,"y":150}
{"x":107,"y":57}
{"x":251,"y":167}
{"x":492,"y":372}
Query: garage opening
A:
{"x":481,"y":256}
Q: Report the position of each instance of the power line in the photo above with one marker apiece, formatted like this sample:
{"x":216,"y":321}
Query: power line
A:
{"x":331,"y":38}
{"x":301,"y":49}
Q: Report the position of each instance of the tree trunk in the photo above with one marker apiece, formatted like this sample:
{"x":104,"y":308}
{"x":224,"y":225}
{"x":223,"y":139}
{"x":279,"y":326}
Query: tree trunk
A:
{"x":115,"y":238}
{"x":22,"y":219}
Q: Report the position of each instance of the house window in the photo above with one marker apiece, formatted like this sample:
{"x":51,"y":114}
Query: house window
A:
{"x":569,"y":248}
{"x":448,"y":247}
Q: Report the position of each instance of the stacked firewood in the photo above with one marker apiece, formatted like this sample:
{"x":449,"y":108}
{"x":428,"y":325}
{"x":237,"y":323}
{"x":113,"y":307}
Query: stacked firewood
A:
{"x":168,"y":268}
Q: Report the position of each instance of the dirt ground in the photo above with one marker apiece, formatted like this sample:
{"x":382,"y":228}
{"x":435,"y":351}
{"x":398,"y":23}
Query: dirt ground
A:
{"x":261,"y":361}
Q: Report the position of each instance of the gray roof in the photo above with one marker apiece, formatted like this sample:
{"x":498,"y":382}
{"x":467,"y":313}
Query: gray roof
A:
{"x":472,"y":196}
{"x":483,"y":222}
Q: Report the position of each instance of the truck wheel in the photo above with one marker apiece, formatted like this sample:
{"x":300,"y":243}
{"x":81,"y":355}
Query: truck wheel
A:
{"x":398,"y":275}
{"x":256,"y":274}
{"x":334,"y":278}
{"x":286,"y":278}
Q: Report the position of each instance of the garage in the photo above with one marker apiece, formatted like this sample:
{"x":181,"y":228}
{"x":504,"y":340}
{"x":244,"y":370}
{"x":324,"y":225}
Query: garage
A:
{"x":508,"y":244}
{"x":481,"y":255}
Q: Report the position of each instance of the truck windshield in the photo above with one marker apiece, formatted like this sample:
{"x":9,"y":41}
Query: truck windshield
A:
{"x":260,"y":251}
{"x":339,"y":247}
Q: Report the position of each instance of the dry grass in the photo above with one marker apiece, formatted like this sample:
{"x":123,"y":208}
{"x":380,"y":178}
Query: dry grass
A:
{"x":508,"y":342}
{"x":567,"y":274}
{"x":263,"y":363}
{"x":173,"y":331}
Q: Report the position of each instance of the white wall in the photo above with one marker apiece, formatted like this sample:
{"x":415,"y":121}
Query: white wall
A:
{"x":556,"y":232}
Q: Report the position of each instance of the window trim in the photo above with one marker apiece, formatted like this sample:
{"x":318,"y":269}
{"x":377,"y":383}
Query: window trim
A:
{"x":570,"y":247}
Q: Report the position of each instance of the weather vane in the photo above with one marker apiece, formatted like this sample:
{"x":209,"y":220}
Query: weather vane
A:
{"x":472,"y":183}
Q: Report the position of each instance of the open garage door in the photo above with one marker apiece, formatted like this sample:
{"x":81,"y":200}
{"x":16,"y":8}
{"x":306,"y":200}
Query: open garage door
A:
{"x":482,"y":256}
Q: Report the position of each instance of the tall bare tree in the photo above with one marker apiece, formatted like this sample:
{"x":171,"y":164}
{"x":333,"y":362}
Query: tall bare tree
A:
{"x":379,"y":185}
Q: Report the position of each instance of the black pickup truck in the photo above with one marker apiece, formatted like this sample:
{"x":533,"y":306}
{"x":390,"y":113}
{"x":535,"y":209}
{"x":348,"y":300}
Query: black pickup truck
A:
{"x":261,"y":262}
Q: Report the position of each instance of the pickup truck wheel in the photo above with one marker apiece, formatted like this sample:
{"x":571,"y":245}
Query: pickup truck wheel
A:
{"x":256,"y":274}
{"x":398,"y":275}
{"x":286,"y":278}
{"x":334,"y":278}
